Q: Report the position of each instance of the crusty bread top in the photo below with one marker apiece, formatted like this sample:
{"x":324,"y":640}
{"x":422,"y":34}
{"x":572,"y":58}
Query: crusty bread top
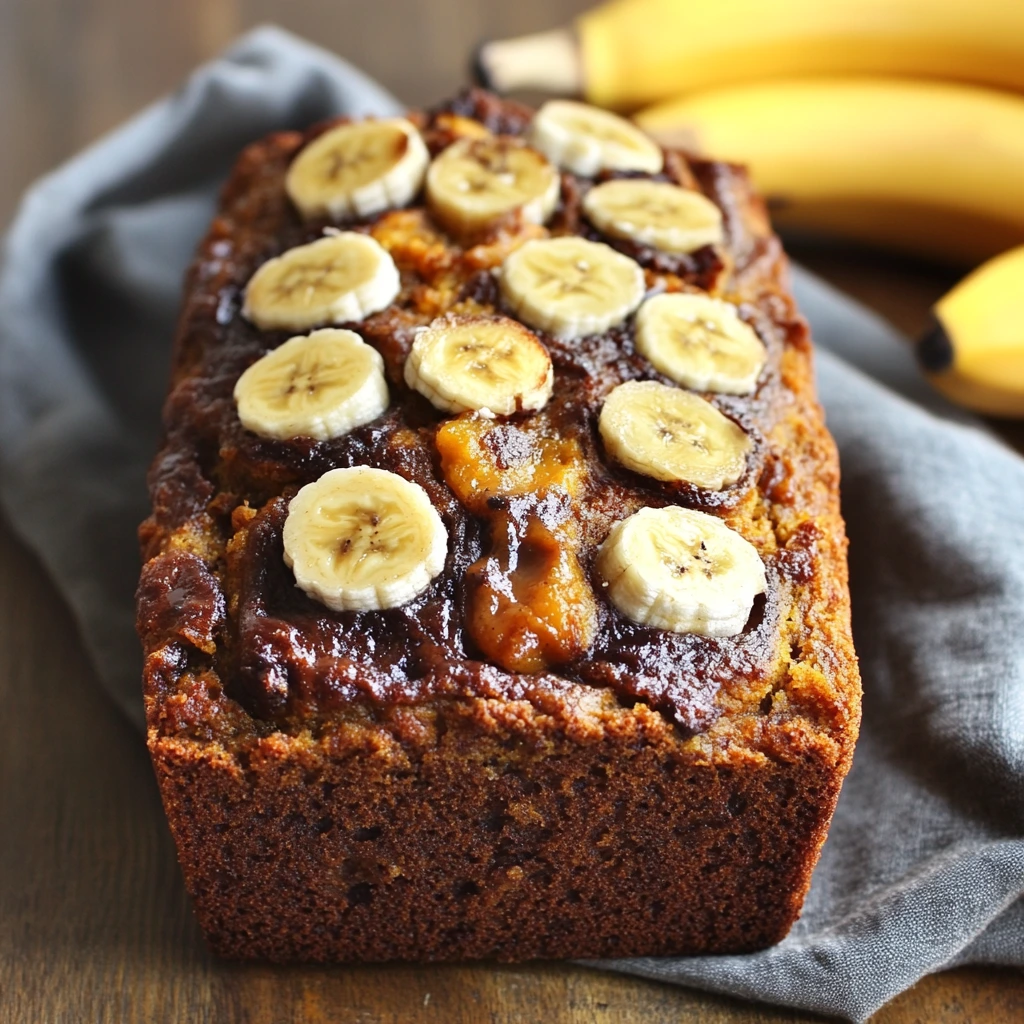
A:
{"x":234,"y":649}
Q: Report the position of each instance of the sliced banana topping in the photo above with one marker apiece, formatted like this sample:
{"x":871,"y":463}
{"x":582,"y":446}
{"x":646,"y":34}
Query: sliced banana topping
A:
{"x":360,"y":539}
{"x":475,"y":182}
{"x":676,"y":569}
{"x":654,"y":213}
{"x":571,"y":287}
{"x":586,"y":140}
{"x":321,"y":385}
{"x":669,"y":434}
{"x":700,"y":342}
{"x":338,"y":279}
{"x":358,"y":169}
{"x":480,"y":362}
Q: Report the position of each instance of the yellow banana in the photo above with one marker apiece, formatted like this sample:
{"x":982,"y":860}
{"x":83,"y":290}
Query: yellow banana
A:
{"x":975,"y":352}
{"x":626,"y":53}
{"x":932,"y":168}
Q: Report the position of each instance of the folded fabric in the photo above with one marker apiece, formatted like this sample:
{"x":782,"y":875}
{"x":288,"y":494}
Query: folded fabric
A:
{"x":924,"y":867}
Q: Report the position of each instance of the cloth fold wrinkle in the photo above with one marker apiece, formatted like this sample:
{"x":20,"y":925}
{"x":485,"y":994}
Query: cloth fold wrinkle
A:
{"x":924,"y":866}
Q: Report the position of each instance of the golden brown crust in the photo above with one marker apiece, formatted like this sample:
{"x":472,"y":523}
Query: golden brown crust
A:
{"x":338,"y":812}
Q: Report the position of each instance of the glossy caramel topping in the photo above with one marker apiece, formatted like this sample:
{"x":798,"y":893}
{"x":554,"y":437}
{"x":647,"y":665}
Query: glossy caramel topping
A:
{"x":529,"y":603}
{"x":483,"y":459}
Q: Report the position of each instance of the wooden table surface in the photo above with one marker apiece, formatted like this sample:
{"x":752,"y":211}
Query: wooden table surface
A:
{"x":94,"y":922}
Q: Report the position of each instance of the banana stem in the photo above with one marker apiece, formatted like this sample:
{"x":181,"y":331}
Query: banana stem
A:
{"x":547,"y":61}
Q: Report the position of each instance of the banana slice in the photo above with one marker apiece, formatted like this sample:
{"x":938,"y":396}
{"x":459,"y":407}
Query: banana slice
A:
{"x":571,"y":287}
{"x":358,"y":169}
{"x":700,"y":342}
{"x":475,"y":182}
{"x":322,"y":385}
{"x":654,"y":213}
{"x":479,"y":362}
{"x":586,"y":140}
{"x":669,"y":434}
{"x":361,"y":539}
{"x":676,"y":569}
{"x":338,"y":279}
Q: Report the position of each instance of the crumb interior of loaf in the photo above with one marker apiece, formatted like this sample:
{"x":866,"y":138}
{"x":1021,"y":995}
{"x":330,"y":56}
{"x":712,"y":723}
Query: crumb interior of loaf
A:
{"x":214,"y":583}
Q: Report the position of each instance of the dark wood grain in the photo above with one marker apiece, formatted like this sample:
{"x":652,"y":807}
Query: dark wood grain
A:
{"x":94,"y":922}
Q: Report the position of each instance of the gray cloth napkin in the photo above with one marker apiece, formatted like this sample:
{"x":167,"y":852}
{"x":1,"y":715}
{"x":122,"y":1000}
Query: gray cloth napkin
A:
{"x":924,"y":867}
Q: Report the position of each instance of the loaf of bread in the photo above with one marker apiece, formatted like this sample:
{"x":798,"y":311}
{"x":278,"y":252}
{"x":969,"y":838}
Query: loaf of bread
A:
{"x":495,"y":595}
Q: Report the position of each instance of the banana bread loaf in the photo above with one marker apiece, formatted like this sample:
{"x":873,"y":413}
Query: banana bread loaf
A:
{"x":495,"y":595}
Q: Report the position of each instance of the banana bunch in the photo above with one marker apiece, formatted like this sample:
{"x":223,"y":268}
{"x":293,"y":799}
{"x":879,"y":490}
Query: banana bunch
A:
{"x":932,"y":168}
{"x":627,"y":53}
{"x":899,"y":123}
